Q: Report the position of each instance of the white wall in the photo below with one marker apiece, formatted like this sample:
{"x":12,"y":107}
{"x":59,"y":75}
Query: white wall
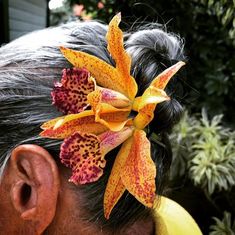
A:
{"x":26,"y":16}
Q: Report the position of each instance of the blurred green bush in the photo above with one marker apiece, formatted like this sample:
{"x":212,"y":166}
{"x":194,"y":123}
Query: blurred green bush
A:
{"x":204,"y":155}
{"x":223,"y":227}
{"x":206,"y":151}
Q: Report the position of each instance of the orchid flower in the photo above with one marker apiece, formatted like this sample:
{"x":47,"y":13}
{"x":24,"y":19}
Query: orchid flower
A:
{"x":97,"y":100}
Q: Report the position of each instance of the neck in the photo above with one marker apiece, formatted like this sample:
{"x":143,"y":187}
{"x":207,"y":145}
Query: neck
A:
{"x":68,"y":219}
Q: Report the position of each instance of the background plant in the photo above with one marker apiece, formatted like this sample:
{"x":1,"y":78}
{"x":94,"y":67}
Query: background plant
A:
{"x":206,"y":150}
{"x":223,"y":227}
{"x":213,"y":155}
{"x":204,"y":155}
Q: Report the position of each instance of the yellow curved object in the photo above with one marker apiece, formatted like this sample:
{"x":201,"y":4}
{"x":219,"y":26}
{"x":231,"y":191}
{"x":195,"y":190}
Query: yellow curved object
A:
{"x":173,"y":219}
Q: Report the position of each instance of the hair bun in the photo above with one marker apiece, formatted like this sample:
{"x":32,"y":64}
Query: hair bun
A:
{"x":152,"y":51}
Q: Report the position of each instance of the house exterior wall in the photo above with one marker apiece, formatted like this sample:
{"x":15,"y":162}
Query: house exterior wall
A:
{"x":4,"y":35}
{"x":26,"y":16}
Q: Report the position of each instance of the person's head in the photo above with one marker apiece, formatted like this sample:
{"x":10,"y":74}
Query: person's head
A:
{"x":35,"y":195}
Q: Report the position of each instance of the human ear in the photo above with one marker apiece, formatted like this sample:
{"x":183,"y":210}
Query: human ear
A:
{"x":35,"y":185}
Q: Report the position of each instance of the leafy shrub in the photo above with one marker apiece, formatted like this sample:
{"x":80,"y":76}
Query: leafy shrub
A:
{"x":181,"y":140}
{"x":224,"y":226}
{"x":206,"y":151}
{"x":213,"y":155}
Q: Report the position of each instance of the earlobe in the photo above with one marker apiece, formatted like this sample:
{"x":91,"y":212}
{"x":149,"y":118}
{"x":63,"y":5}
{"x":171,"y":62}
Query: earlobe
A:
{"x":35,"y":185}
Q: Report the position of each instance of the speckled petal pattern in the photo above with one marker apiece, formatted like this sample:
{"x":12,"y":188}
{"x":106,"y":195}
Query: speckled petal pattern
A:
{"x":70,"y":96}
{"x":82,"y":153}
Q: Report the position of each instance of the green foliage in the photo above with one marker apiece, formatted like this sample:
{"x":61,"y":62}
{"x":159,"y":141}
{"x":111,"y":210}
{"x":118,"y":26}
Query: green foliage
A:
{"x":224,"y":226}
{"x":181,"y":140}
{"x":224,"y":10}
{"x":206,"y":150}
{"x":213,"y":155}
{"x":204,"y":154}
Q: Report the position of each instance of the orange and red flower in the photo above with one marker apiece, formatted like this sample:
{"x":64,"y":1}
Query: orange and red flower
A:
{"x":98,"y":99}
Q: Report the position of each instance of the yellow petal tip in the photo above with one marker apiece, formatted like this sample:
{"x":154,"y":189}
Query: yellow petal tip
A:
{"x":119,"y":15}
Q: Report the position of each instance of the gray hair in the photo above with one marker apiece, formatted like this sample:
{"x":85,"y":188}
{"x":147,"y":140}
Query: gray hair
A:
{"x":30,"y":65}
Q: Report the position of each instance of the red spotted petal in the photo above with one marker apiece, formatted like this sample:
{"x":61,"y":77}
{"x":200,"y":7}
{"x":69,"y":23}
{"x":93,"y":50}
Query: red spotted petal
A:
{"x":139,"y":171}
{"x":82,"y":153}
{"x":122,"y":58}
{"x":115,"y":187}
{"x":70,"y":96}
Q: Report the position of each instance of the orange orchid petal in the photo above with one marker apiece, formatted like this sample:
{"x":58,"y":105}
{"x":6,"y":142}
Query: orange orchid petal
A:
{"x":113,"y":193}
{"x":153,"y":95}
{"x":123,"y":61}
{"x":145,"y":116}
{"x":111,"y":139}
{"x":139,"y":172}
{"x":115,"y":188}
{"x":103,"y":95}
{"x":113,"y":118}
{"x":135,"y":105}
{"x":107,"y":117}
{"x":64,"y":127}
{"x":104,"y":74}
{"x":114,"y":98}
{"x":51,"y":123}
{"x":163,"y":78}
